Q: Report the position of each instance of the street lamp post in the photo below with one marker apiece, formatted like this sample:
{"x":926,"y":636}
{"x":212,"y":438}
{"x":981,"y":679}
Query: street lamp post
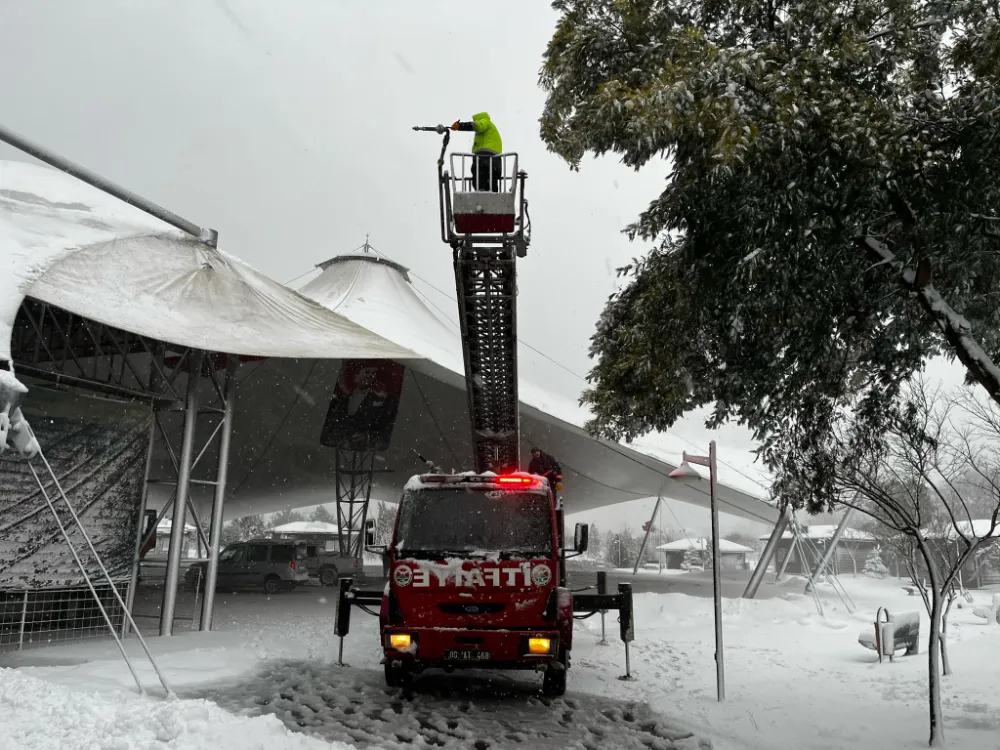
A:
{"x":685,"y":471}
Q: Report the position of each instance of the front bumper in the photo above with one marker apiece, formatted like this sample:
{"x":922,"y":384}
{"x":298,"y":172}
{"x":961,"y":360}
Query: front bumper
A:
{"x":507,"y":649}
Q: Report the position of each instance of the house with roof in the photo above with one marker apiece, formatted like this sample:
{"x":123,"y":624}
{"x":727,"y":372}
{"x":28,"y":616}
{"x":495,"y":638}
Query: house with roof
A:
{"x":732,"y":556}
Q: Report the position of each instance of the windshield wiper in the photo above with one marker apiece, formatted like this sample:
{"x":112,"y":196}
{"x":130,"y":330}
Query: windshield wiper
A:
{"x":509,"y":554}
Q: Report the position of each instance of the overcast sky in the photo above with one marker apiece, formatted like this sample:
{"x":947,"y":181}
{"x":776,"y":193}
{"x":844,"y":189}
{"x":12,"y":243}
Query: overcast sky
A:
{"x":286,"y":126}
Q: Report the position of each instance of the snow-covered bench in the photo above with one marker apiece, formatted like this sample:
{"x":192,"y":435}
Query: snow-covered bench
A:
{"x":989,"y":612}
{"x":894,"y":633}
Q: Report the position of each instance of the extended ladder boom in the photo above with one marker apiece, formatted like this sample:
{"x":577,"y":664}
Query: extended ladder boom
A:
{"x":488,"y":229}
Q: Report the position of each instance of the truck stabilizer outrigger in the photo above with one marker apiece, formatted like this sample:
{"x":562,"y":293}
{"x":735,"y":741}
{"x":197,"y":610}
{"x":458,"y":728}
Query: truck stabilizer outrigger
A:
{"x":586,"y":604}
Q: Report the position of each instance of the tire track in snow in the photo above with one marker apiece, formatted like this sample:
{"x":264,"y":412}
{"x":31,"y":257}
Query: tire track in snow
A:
{"x":467,"y":710}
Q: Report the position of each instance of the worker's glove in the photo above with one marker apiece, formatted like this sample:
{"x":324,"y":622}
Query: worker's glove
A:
{"x":454,"y":125}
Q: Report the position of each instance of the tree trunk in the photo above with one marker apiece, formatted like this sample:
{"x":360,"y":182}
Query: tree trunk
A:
{"x":934,"y":652}
{"x":945,"y":664}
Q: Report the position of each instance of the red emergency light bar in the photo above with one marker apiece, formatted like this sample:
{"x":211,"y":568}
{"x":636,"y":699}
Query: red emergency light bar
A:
{"x":521,"y":480}
{"x":516,"y":480}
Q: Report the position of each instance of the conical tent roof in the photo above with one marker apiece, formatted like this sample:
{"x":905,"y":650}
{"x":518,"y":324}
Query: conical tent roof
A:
{"x":376,"y":294}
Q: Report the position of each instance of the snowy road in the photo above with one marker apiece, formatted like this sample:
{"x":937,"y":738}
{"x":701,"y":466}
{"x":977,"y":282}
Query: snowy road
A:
{"x":471,"y":710}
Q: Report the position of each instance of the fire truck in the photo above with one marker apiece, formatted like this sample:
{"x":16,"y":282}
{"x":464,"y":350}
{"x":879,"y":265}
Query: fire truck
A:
{"x":477,"y":573}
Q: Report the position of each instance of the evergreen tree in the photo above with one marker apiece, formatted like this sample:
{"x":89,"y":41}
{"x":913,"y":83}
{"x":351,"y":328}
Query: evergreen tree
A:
{"x":609,"y":541}
{"x":874,"y":567}
{"x":284,"y":516}
{"x":692,"y":559}
{"x":596,"y":543}
{"x":322,"y":515}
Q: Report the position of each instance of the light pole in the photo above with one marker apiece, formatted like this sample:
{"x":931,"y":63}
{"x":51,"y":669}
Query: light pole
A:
{"x":685,"y":471}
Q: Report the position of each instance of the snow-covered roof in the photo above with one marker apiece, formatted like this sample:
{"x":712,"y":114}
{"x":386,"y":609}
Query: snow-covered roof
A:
{"x":818,"y":532}
{"x":701,"y":544}
{"x":166,"y":524}
{"x":69,"y":244}
{"x":306,"y":527}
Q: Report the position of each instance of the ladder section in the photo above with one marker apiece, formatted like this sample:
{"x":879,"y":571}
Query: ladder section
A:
{"x":485,"y":278}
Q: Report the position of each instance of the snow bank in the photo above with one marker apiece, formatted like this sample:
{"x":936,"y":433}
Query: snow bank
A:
{"x":37,"y":714}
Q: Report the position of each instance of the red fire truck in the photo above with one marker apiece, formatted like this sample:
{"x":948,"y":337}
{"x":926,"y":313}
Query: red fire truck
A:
{"x":477,"y":573}
{"x":477,"y":578}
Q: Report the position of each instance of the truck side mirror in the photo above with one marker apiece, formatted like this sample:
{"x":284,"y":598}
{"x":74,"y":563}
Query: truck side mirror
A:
{"x":581,"y":537}
{"x":370,"y":532}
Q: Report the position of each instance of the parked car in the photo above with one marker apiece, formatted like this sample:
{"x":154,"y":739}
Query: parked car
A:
{"x":324,"y":561}
{"x":273,"y":564}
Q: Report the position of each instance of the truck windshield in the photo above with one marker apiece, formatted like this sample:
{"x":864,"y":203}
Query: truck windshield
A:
{"x":472,"y":523}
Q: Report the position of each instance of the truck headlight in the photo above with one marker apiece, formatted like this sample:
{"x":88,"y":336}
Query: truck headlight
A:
{"x":400,"y":641}
{"x":539,"y":645}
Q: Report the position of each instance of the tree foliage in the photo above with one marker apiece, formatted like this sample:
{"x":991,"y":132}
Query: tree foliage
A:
{"x":833,"y":186}
{"x":322,"y":515}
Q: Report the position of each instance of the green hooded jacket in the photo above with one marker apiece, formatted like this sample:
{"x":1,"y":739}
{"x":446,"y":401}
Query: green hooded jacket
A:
{"x":487,"y":135}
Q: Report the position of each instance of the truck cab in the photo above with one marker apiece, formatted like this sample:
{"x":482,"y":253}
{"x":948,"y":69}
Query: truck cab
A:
{"x":477,"y":578}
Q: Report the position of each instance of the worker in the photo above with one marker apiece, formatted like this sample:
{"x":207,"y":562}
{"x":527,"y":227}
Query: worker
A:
{"x":487,"y":166}
{"x":546,"y":466}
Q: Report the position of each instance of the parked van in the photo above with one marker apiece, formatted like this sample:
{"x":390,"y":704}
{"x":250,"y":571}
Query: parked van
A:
{"x":272,"y":564}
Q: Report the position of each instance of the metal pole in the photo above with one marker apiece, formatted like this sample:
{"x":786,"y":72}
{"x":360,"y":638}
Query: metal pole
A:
{"x":766,"y":556}
{"x":24,"y":617}
{"x":215,"y":533}
{"x":720,"y":675}
{"x":140,"y":532}
{"x":830,"y":548}
{"x":602,"y":589}
{"x":645,"y":538}
{"x":209,"y":236}
{"x":180,"y":504}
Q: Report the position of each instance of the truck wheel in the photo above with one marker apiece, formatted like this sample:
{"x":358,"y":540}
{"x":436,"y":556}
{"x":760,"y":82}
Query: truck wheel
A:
{"x":328,"y":576}
{"x":396,"y":677}
{"x":272,"y":584}
{"x":554,"y":681}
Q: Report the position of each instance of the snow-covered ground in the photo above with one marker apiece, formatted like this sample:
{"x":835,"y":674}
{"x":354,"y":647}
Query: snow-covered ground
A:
{"x":268,"y":678}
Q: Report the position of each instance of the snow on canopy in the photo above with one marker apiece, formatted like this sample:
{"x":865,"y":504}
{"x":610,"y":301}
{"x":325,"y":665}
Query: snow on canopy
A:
{"x":76,"y":247}
{"x":68,"y":244}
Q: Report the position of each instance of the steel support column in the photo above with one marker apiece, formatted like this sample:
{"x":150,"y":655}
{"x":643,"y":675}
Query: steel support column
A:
{"x":181,"y":502}
{"x":765,"y":559}
{"x":830,"y":549}
{"x":215,"y":535}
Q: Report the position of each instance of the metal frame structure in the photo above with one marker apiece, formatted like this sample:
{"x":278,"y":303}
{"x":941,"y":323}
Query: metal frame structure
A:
{"x":54,"y":345}
{"x":354,"y":471}
{"x":58,"y":337}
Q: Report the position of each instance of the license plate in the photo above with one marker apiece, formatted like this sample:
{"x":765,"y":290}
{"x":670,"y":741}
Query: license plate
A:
{"x":455,"y":655}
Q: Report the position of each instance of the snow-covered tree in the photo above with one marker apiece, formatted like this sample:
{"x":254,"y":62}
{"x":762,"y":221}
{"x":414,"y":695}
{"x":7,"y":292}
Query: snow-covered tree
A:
{"x":596,"y":543}
{"x":251,"y":527}
{"x":322,"y":515}
{"x":874,"y":567}
{"x":618,"y":550}
{"x":908,"y":483}
{"x":692,"y":559}
{"x":830,"y":212}
{"x":384,"y":522}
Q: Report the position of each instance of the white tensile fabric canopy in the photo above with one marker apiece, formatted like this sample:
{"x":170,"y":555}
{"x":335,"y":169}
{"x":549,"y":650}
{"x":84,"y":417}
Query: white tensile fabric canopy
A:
{"x":73,"y":246}
{"x":68,"y":244}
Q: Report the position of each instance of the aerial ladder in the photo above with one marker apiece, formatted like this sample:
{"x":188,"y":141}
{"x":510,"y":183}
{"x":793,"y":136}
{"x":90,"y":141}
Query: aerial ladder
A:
{"x":487,"y":232}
